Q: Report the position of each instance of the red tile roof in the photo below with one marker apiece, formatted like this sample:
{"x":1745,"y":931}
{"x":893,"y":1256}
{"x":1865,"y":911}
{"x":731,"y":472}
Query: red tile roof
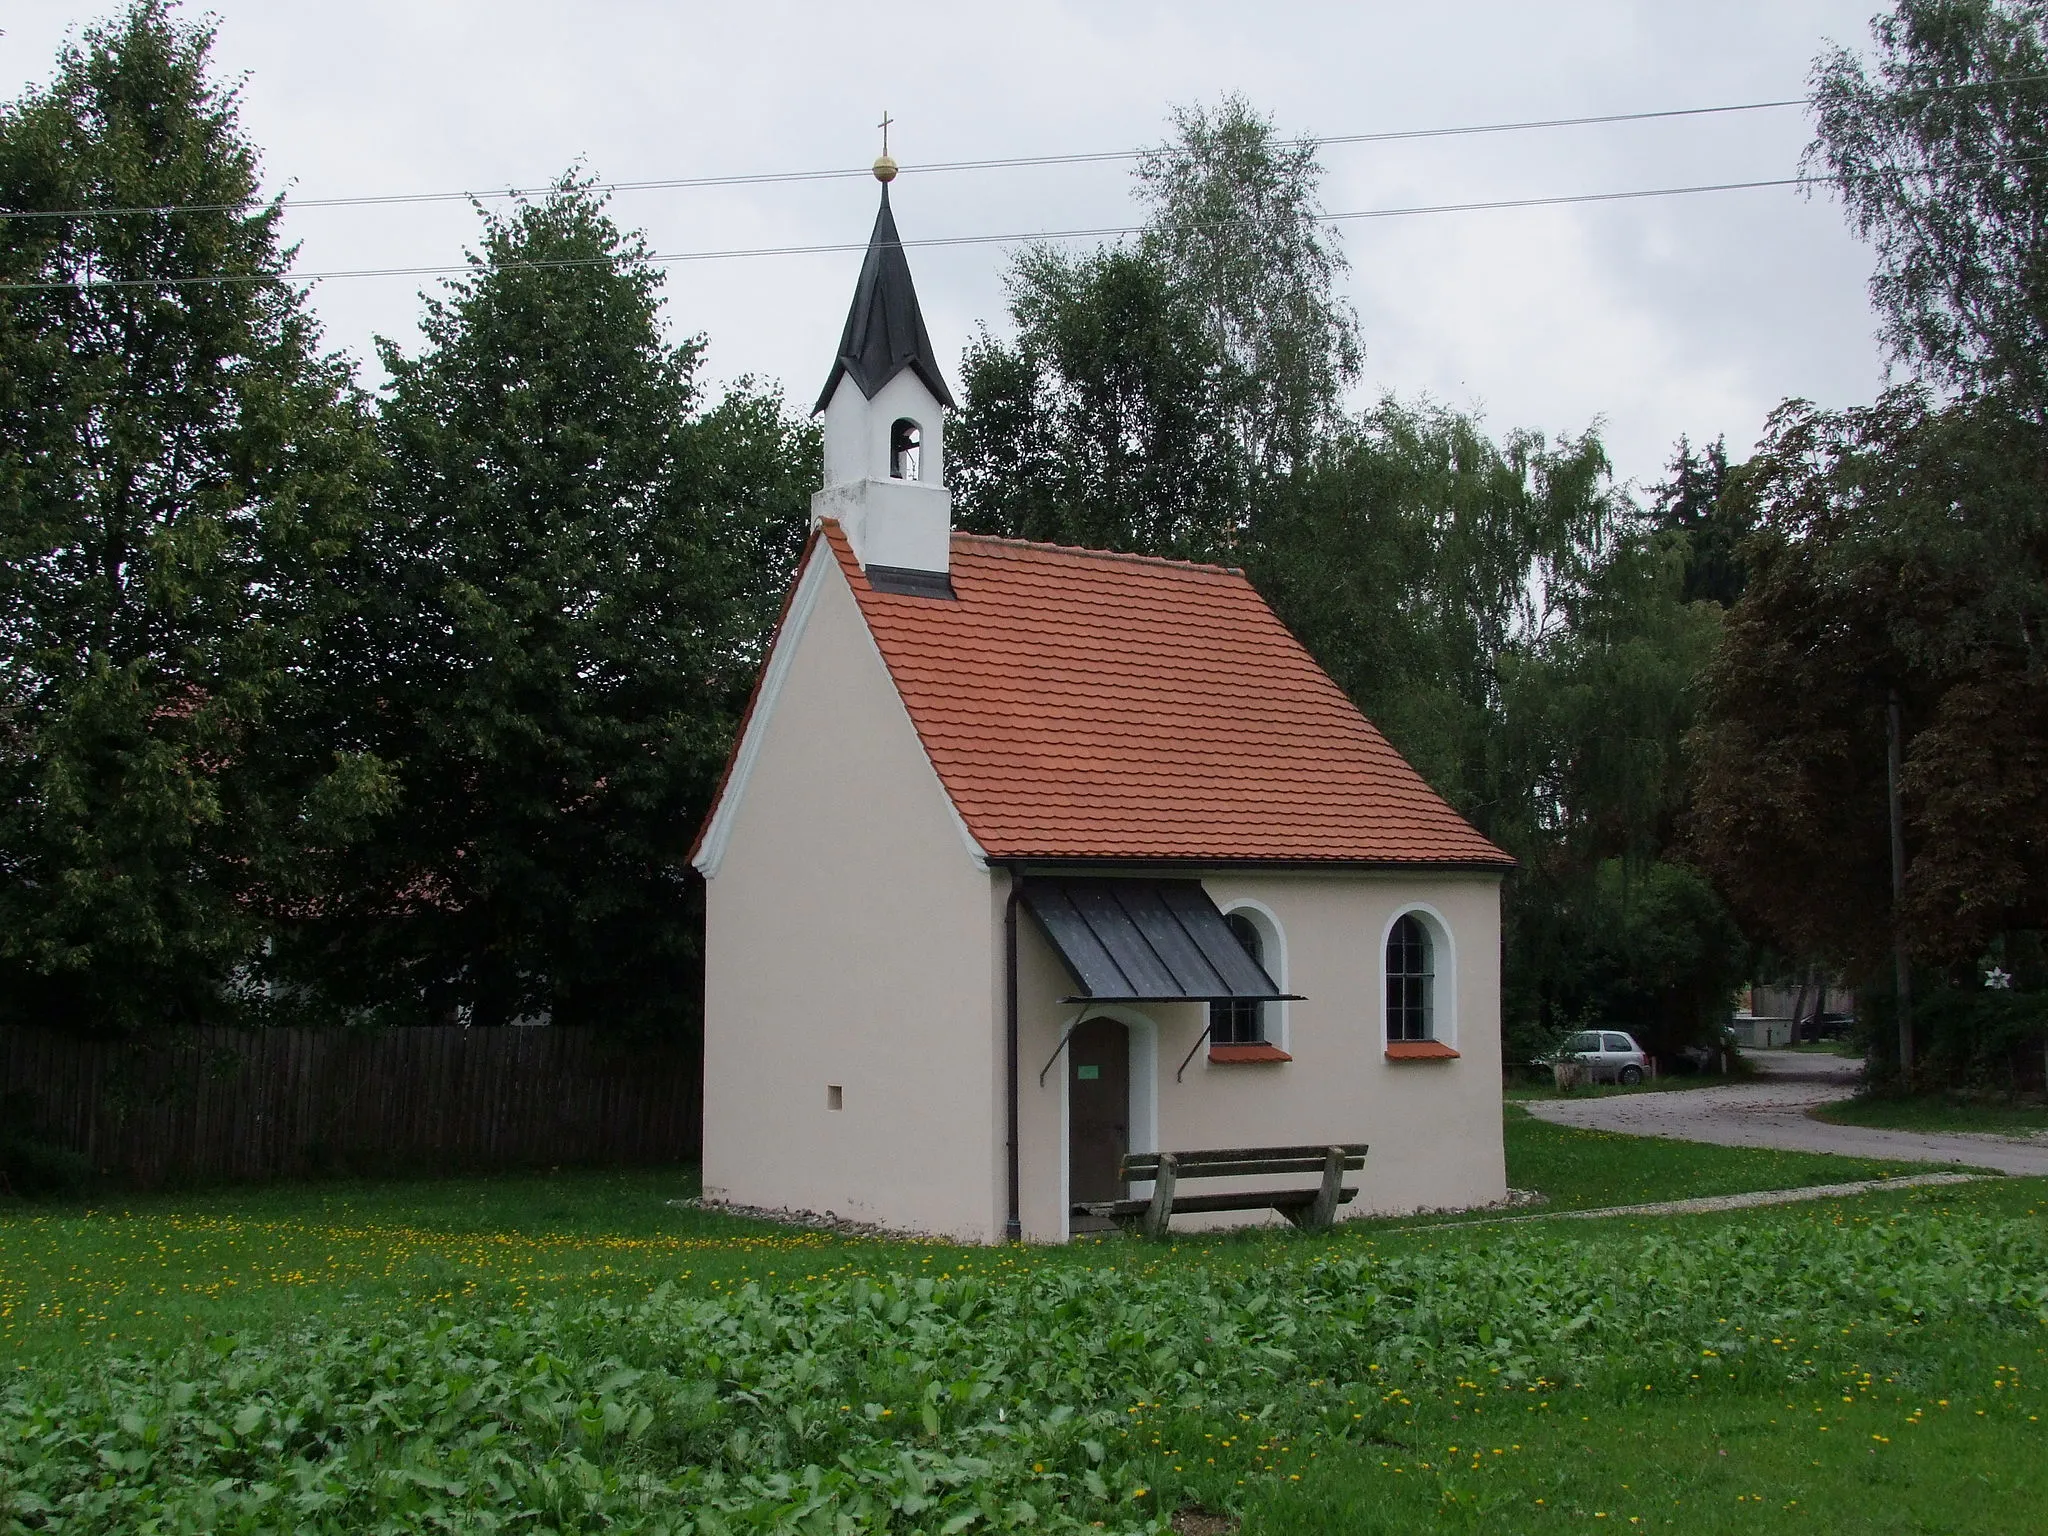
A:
{"x":1086,"y":705}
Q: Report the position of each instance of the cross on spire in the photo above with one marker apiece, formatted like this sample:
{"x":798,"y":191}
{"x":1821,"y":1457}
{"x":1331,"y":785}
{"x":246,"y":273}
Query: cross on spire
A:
{"x":885,"y":168}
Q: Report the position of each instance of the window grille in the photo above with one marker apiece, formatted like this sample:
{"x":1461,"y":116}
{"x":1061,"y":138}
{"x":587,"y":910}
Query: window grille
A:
{"x":1410,"y":980}
{"x":1239,"y":1022}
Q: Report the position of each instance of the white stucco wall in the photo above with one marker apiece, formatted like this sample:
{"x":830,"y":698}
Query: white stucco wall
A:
{"x":856,"y":430}
{"x":1434,"y":1126}
{"x":888,"y":522}
{"x":850,"y":943}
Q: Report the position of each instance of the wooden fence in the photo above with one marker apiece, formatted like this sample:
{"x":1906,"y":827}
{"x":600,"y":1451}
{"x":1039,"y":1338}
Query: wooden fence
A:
{"x":209,"y":1104}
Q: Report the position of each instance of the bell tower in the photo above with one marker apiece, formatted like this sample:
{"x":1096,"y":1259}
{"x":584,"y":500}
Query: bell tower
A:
{"x":884,"y":405}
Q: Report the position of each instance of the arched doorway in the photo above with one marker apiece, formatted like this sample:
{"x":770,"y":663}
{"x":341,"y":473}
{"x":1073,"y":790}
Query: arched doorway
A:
{"x":1098,"y":1115}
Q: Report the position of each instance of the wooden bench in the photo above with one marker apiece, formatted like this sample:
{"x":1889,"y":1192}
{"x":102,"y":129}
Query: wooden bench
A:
{"x":1310,"y":1209}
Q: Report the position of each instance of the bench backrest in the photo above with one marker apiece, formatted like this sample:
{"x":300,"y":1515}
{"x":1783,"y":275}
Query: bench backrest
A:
{"x":1242,"y":1162}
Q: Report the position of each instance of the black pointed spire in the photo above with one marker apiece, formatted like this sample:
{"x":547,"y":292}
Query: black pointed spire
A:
{"x":884,"y":329}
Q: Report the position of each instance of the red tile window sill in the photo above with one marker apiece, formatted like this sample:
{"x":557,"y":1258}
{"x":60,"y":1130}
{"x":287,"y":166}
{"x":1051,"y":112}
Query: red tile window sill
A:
{"x":1419,"y":1050}
{"x":1226,"y":1054}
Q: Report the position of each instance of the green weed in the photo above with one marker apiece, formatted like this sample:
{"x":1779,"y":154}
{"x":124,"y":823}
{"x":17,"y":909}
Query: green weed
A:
{"x":1043,"y":1396}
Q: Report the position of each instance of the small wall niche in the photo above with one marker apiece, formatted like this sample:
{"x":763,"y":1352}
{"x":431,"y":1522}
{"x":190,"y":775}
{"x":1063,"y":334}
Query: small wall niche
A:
{"x":835,"y":1096}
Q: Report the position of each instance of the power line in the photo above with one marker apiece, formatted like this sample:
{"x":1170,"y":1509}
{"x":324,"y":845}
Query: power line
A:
{"x":1012,"y":162}
{"x":1098,"y":233}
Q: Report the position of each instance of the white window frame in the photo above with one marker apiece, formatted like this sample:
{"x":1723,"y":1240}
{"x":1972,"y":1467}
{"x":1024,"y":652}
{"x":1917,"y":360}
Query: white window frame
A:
{"x":1443,"y":961}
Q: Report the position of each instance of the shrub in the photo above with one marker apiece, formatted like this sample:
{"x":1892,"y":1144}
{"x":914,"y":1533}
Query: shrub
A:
{"x":31,"y":1166}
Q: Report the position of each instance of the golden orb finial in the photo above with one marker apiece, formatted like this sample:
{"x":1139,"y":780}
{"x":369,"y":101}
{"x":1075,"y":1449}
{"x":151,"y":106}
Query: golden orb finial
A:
{"x":885,"y":168}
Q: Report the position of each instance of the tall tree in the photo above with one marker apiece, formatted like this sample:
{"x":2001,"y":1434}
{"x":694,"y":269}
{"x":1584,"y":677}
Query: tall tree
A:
{"x":178,"y":467}
{"x":1414,"y":556}
{"x":1104,"y":423}
{"x":1605,"y":920}
{"x":1692,"y":504}
{"x":573,"y":588}
{"x":1154,"y":392}
{"x":746,"y":474}
{"x":1520,"y":631}
{"x":1941,"y":160}
{"x":1236,"y":217}
{"x":1901,"y":551}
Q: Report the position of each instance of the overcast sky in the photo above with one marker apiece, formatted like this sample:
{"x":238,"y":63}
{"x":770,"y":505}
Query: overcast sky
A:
{"x":1656,"y":317}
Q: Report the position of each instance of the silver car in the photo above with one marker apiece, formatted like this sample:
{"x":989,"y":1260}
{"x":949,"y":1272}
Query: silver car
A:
{"x":1610,"y":1056}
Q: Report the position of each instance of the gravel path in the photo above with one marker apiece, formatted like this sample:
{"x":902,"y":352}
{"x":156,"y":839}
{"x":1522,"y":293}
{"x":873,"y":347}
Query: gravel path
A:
{"x":1773,"y":1112}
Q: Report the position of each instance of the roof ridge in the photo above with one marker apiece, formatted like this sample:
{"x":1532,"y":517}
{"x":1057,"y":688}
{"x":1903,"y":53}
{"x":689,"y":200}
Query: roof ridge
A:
{"x":1099,"y":554}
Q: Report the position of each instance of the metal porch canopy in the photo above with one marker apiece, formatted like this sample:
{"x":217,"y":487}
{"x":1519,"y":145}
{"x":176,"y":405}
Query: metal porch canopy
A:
{"x":1146,"y":941}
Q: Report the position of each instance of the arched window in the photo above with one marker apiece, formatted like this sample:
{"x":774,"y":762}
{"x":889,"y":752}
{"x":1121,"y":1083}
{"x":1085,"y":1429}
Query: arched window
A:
{"x":1411,"y":981}
{"x":906,"y":441}
{"x":1238,"y":1022}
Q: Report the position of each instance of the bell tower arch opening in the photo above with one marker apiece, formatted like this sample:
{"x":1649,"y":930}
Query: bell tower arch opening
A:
{"x":906,"y":449}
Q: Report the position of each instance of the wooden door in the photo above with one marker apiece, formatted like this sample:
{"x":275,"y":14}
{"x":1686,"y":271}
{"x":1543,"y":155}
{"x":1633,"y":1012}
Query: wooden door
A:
{"x":1098,"y":1115}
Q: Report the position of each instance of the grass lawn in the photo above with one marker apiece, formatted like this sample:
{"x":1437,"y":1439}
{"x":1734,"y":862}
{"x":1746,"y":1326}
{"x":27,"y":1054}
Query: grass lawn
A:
{"x":151,"y":1268}
{"x":1943,"y":1435}
{"x":416,"y":1354}
{"x":1871,"y":1427}
{"x":1582,"y":1170}
{"x":1996,"y":1116}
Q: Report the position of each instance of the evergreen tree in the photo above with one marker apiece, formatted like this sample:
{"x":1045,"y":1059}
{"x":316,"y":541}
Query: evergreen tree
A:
{"x":573,"y":591}
{"x":178,"y":467}
{"x":1693,"y":505}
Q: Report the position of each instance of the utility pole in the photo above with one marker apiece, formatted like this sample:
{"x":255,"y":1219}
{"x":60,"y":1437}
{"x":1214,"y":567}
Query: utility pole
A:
{"x":1902,"y":968}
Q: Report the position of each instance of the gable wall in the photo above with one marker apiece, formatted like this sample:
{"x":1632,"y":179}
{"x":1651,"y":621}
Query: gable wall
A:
{"x":849,"y":942}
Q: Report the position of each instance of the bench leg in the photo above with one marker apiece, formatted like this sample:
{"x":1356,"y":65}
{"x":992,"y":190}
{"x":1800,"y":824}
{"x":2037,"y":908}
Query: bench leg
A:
{"x":1324,"y":1211}
{"x":1161,"y":1209}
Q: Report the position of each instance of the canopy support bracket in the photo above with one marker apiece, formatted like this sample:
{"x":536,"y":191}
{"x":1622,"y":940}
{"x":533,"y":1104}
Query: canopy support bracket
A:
{"x":1064,"y":1038}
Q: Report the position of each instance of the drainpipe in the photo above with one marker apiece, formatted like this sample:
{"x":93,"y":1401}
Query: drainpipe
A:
{"x":1013,"y":1228}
